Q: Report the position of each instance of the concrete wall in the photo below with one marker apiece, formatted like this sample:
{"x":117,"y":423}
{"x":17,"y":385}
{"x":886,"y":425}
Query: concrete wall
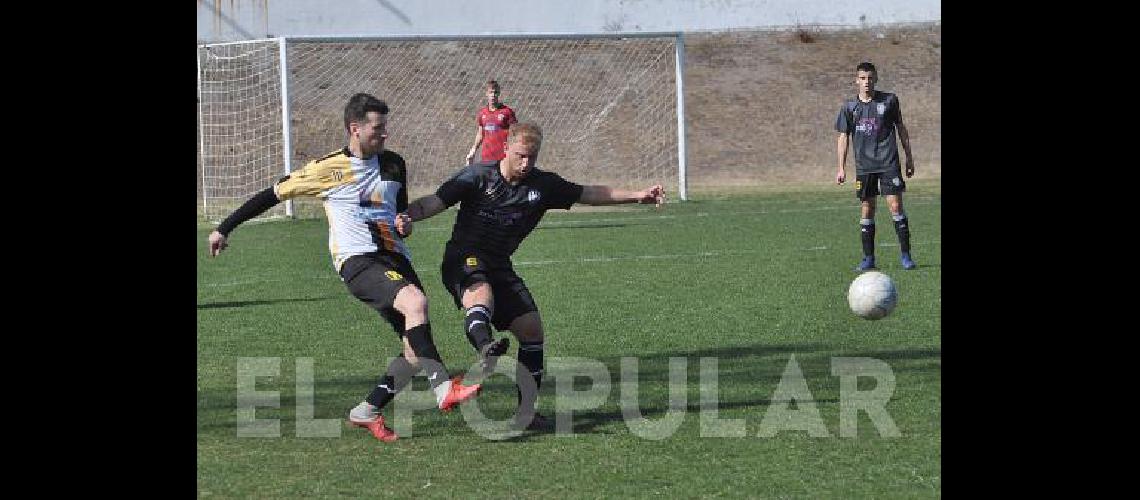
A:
{"x":228,"y":20}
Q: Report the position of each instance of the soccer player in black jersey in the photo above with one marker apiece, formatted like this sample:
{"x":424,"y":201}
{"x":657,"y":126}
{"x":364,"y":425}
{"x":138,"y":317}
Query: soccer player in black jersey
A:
{"x":363,"y":188}
{"x":501,"y":202}
{"x":869,"y":122}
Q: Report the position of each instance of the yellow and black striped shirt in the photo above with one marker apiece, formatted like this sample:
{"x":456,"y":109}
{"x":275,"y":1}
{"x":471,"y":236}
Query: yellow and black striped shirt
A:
{"x":361,"y":199}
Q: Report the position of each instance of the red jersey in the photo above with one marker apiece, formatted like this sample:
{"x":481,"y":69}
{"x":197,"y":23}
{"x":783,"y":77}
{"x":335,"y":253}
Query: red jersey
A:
{"x":495,"y":124}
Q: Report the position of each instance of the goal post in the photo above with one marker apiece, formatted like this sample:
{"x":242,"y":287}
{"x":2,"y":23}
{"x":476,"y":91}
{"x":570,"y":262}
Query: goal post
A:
{"x":610,"y":105}
{"x":241,"y":112}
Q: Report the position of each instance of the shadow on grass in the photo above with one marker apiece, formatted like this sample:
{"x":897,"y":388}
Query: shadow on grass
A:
{"x":739,"y":368}
{"x":586,"y":225}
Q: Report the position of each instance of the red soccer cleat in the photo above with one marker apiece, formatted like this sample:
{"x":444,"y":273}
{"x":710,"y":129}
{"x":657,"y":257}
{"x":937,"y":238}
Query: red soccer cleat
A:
{"x":378,"y":429}
{"x":458,"y":393}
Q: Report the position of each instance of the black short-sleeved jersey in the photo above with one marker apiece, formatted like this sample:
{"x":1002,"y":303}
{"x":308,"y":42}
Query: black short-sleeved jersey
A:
{"x":495,"y":216}
{"x":872,"y":128}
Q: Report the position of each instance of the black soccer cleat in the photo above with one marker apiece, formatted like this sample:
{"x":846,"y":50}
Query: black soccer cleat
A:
{"x":907,"y":262}
{"x":535,"y":422}
{"x":489,"y":354}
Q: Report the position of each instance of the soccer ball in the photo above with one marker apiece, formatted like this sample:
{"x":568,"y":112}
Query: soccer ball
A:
{"x":872,"y":295}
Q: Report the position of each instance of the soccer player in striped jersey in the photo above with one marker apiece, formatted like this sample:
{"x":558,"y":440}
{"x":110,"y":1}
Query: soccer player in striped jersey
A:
{"x":492,"y":125}
{"x":363,"y":188}
{"x":869,"y":122}
{"x":501,"y":202}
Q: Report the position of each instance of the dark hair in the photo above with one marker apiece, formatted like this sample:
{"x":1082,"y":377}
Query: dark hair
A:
{"x":359,"y":105}
{"x":493,"y":84}
{"x":866,"y":66}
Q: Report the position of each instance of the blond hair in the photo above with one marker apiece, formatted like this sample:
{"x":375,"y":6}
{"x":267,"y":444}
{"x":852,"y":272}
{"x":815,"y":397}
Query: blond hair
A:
{"x":526,"y":133}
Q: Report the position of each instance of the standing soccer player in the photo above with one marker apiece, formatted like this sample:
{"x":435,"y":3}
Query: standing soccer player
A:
{"x":363,"y":190}
{"x":492,"y":125}
{"x":501,"y":202}
{"x":871,"y":120}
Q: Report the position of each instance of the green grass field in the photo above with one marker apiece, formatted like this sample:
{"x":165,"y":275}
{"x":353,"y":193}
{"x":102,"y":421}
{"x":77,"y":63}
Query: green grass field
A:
{"x":751,"y":280}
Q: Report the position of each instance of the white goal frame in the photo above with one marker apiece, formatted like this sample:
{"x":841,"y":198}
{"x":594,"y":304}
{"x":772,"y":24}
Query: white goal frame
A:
{"x":285,"y":69}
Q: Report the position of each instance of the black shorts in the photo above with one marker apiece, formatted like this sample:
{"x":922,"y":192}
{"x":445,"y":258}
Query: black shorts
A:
{"x":461,"y":268}
{"x":375,"y":278}
{"x":868,"y":186}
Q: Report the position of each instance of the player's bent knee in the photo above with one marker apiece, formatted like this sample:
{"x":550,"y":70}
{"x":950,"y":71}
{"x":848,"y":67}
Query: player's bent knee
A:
{"x":895,"y":205}
{"x":528,"y":327}
{"x":478,"y":293}
{"x":412,"y":303}
{"x":478,"y":287}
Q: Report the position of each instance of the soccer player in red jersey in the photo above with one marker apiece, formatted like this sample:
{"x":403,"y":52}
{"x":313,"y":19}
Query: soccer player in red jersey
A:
{"x":493,"y":123}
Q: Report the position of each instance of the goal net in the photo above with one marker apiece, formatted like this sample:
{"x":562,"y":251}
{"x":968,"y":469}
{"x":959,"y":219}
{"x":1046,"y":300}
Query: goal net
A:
{"x":607,"y":104}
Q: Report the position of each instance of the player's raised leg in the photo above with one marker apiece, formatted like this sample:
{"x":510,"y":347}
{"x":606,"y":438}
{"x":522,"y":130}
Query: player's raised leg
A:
{"x":412,"y":303}
{"x":478,"y":302}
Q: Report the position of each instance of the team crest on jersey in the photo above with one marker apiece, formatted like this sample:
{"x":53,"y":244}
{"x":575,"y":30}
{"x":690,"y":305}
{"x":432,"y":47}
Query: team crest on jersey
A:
{"x":393,"y":275}
{"x":882,"y":108}
{"x":532,"y":196}
{"x":472,"y":262}
{"x":896,"y":181}
{"x":867,"y":126}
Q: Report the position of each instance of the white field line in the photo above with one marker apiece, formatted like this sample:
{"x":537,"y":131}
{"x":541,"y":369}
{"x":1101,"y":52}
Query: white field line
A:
{"x":596,"y":259}
{"x":586,"y":222}
{"x":583,"y":260}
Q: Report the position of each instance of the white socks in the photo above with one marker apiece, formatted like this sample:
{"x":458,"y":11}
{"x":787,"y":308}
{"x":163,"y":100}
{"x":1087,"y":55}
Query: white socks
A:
{"x":441,"y":391}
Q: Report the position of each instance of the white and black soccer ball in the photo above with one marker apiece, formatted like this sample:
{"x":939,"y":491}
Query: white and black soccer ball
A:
{"x":872,"y":295}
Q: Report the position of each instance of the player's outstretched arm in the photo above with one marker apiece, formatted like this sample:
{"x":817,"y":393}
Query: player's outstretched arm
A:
{"x":252,"y":207}
{"x":605,"y":195}
{"x":425,"y":207}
